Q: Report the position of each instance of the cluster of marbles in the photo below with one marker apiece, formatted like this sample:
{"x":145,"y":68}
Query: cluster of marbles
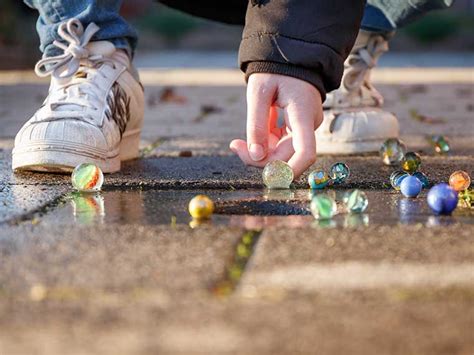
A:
{"x":277,"y":175}
{"x":87,"y":178}
{"x":444,"y":198}
{"x":408,"y":180}
{"x":338,"y":173}
{"x":392,"y":151}
{"x":201,"y":207}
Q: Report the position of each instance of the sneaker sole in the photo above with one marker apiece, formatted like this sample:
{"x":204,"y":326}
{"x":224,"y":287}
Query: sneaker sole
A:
{"x":63,"y":160}
{"x":364,"y":139}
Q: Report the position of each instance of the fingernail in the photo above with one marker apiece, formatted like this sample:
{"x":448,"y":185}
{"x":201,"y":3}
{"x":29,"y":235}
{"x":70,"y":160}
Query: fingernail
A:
{"x":256,"y":152}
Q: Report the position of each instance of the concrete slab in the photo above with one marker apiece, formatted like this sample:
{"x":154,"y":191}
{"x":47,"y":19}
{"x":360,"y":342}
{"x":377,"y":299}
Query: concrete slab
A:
{"x":83,"y":262}
{"x":19,"y":199}
{"x":395,"y":321}
{"x":405,"y":243}
{"x":449,"y":103}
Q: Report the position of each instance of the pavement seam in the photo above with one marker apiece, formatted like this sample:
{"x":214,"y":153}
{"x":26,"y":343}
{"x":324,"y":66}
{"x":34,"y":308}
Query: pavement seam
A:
{"x":35,"y":214}
{"x":235,"y":269}
{"x":149,"y":149}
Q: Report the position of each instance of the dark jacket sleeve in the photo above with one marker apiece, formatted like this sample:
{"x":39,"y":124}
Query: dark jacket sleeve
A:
{"x":306,"y":39}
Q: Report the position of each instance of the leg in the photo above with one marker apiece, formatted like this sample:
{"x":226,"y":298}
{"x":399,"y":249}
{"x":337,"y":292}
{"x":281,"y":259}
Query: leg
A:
{"x":104,"y":13}
{"x":400,"y":13}
{"x":94,"y":109}
{"x":354,"y":119}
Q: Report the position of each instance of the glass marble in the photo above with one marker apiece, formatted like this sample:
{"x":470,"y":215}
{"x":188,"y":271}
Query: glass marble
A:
{"x":277,"y":175}
{"x":87,"y":178}
{"x":396,"y":178}
{"x":459,"y":180}
{"x":318,"y":179}
{"x":339,"y":173}
{"x":323,"y":207}
{"x":425,"y":182}
{"x":392,"y":151}
{"x":466,"y":198}
{"x":356,"y":201}
{"x":411,"y":162}
{"x":411,"y":186}
{"x":442,"y":199}
{"x":201,"y":207}
{"x":440,"y":144}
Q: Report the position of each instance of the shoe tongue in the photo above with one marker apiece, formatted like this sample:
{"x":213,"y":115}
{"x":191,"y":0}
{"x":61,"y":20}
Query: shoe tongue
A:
{"x":107,"y":49}
{"x":97,"y":48}
{"x":103,"y":48}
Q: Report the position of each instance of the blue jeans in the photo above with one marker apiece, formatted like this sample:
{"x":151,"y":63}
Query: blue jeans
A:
{"x":105,"y":14}
{"x":380,"y":16}
{"x":388,"y":15}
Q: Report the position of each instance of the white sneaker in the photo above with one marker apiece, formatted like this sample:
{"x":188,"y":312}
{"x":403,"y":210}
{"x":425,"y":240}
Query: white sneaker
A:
{"x":354,"y":121}
{"x":93,"y":112}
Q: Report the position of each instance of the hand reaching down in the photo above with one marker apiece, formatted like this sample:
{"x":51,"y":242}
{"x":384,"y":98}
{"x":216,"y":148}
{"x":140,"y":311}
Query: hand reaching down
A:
{"x":294,"y":142}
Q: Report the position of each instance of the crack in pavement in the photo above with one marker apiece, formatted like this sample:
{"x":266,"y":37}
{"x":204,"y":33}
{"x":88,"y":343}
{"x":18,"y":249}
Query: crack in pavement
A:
{"x":234,"y":271}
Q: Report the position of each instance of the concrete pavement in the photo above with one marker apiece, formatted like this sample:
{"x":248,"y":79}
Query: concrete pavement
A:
{"x":122,"y":272}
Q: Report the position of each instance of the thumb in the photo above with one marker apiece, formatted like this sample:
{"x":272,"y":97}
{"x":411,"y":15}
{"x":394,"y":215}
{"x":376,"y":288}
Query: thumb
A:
{"x":259,"y":101}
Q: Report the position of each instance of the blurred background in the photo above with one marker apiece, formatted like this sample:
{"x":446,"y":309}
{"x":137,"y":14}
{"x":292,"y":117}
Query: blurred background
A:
{"x":169,"y":38}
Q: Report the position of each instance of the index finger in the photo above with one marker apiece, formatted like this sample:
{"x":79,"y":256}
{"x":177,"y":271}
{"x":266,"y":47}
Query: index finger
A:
{"x":304,"y":140}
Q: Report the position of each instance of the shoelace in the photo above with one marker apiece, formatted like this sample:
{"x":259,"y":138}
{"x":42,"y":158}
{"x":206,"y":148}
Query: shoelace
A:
{"x":364,"y":60}
{"x":73,"y":33}
{"x":79,"y":91}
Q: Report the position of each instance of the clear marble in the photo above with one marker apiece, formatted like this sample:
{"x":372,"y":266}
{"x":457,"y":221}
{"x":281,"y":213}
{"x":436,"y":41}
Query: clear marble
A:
{"x":277,"y":175}
{"x":396,"y":178}
{"x":392,"y":151}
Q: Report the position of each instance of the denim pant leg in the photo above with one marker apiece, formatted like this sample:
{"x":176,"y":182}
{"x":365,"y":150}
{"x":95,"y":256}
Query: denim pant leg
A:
{"x":388,"y":15}
{"x":104,"y":13}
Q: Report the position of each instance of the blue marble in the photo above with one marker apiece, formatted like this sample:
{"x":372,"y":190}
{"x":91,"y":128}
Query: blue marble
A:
{"x":411,"y":186}
{"x":442,"y":199}
{"x":425,"y":182}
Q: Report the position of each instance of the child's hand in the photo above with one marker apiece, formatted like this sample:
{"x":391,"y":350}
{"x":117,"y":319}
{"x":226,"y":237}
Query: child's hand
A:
{"x":295,"y":142}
